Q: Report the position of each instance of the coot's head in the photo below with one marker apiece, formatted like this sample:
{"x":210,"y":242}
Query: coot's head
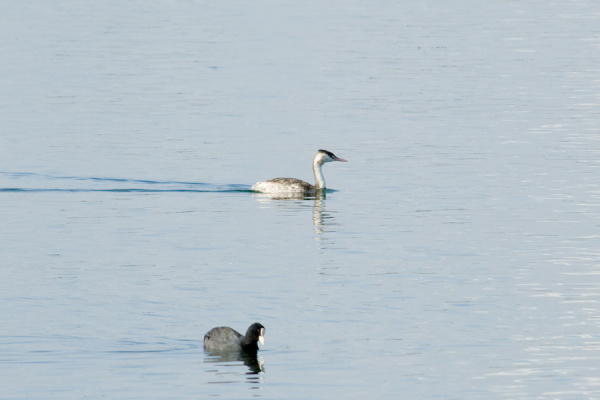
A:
{"x":256,"y":332}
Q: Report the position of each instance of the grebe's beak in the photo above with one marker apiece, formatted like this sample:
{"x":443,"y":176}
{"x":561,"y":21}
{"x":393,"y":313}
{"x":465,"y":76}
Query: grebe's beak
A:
{"x":340,"y":159}
{"x":261,"y":337}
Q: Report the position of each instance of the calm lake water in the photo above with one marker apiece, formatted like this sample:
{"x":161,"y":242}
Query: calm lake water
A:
{"x":456,"y":256}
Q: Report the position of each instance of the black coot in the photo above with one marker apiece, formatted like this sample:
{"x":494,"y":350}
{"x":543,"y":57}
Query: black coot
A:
{"x":224,"y":338}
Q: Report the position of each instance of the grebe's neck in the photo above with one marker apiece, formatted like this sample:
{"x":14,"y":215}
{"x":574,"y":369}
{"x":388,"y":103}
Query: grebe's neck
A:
{"x":317,"y":169}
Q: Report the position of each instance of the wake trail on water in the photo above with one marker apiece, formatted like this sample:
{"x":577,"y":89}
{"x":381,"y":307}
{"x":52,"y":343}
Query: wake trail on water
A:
{"x":34,"y":182}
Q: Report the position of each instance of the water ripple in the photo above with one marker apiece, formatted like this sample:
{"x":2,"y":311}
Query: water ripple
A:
{"x":52,"y":183}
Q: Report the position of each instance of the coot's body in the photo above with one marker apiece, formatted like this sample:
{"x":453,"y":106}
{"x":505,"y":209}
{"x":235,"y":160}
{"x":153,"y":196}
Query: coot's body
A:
{"x":224,"y":338}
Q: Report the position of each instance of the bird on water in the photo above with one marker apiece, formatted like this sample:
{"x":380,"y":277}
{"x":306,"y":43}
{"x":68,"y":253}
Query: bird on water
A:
{"x":293,"y":185}
{"x":223,"y":338}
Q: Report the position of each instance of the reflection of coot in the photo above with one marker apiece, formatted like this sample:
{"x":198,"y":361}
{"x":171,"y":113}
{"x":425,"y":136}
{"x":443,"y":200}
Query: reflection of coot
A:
{"x":224,"y":338}
{"x":250,"y":359}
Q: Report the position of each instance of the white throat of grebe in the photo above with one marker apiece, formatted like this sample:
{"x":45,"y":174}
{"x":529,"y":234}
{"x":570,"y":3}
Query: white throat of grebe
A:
{"x":322,"y":157}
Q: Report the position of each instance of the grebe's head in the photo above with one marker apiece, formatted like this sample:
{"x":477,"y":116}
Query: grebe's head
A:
{"x":324,"y":156}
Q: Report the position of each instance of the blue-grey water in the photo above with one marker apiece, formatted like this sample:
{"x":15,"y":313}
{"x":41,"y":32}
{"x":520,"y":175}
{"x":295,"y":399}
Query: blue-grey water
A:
{"x":456,"y":256}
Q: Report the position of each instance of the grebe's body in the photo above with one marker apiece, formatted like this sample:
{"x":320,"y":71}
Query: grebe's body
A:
{"x":292,"y":185}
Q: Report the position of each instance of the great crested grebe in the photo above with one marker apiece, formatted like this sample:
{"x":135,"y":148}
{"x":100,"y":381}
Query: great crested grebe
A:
{"x":292,"y":185}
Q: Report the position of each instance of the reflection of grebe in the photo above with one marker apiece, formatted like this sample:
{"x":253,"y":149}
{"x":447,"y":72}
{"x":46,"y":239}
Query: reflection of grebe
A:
{"x":292,"y":185}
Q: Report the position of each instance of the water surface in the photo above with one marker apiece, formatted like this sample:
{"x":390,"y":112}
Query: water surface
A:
{"x":455,"y":256}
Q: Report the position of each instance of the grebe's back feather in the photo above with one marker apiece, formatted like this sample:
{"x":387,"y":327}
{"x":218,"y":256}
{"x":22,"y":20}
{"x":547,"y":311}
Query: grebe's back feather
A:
{"x":278,"y":185}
